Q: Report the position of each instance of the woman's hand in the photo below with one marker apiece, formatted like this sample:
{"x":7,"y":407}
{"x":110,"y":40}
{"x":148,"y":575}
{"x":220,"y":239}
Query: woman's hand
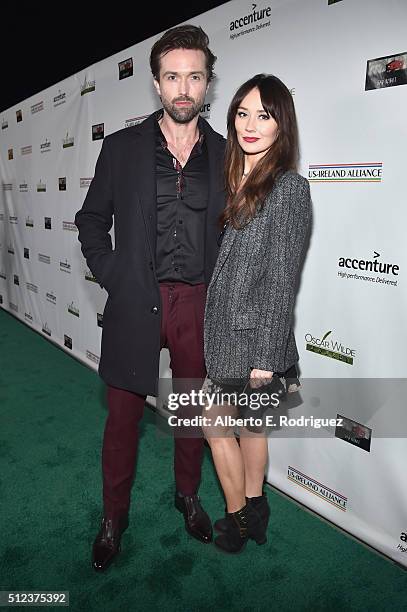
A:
{"x":258,"y":378}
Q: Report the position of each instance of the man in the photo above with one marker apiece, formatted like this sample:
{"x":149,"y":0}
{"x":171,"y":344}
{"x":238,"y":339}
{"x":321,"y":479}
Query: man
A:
{"x":162,"y":182}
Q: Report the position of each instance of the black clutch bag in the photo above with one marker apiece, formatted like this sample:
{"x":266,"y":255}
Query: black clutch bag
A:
{"x":271,"y":393}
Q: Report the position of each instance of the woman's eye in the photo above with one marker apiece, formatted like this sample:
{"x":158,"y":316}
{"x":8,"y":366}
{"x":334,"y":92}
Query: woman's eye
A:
{"x":241,"y":114}
{"x":264,"y":116}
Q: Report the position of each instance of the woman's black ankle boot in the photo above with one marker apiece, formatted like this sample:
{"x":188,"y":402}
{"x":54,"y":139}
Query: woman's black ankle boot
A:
{"x":259,"y":503}
{"x":262,"y":506}
{"x":241,"y":525}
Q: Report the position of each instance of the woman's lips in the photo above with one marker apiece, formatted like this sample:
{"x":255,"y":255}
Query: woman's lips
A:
{"x":248,"y":139}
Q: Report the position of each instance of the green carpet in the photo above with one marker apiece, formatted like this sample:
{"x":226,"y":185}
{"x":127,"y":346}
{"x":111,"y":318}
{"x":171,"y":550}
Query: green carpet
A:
{"x":52,"y":413}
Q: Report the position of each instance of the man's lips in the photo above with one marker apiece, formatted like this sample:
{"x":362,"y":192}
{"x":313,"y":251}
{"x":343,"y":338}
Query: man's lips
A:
{"x":183,"y":103}
{"x":250,"y":139}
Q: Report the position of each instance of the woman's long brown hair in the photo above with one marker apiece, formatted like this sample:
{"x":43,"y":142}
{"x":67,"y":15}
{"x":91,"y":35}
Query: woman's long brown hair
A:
{"x":277,"y":101}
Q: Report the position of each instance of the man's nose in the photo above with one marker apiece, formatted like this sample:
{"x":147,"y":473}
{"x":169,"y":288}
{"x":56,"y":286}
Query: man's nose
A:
{"x":183,"y":87}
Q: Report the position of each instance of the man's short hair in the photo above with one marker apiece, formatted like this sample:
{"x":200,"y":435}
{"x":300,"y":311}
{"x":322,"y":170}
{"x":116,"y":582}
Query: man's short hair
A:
{"x":182,"y":37}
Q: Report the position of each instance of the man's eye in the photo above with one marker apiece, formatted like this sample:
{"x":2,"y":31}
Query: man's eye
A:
{"x":196,"y":77}
{"x":171,"y":77}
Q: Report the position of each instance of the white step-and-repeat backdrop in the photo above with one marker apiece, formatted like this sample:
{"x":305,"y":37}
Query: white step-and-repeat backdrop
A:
{"x":345,"y":63}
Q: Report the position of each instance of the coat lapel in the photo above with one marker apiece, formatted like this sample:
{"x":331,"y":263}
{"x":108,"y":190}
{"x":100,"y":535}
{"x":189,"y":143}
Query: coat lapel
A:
{"x":227,"y":243}
{"x":144,"y":176}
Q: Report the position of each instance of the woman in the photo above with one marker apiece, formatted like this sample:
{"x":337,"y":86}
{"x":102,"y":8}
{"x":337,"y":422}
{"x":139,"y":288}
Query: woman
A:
{"x":250,"y":300}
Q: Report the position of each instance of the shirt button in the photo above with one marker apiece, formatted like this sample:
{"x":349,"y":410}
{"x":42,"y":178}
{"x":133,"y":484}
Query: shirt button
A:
{"x":180,"y":221}
{"x":176,"y":268}
{"x":154,"y":309}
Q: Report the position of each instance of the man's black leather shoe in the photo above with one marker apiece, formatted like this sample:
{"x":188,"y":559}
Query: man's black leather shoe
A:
{"x":197,"y":522}
{"x":107,"y":543}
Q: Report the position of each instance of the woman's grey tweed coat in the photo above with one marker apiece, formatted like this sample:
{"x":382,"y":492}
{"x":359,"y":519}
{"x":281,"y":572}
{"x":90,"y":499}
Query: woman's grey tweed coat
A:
{"x":250,"y":299}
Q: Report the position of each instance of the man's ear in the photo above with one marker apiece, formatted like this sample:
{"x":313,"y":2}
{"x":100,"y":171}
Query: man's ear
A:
{"x":157,"y":86}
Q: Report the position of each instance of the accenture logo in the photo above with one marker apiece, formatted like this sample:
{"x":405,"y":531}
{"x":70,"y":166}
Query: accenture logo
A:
{"x":60,"y":98}
{"x":370,"y":266}
{"x":256,"y":19}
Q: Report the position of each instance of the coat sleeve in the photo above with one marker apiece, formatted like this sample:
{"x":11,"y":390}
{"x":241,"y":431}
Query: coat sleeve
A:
{"x":95,"y":219}
{"x":286,"y":232}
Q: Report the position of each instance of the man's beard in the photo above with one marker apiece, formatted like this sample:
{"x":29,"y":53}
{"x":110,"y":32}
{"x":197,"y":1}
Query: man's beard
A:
{"x":181,"y":114}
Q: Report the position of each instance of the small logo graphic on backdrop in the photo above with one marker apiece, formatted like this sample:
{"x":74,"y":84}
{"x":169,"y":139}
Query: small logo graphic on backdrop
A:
{"x":92,"y":357}
{"x":73,"y":310}
{"x":256,"y":19}
{"x":46,"y":329}
{"x":313,"y":486}
{"x":403,"y":538}
{"x":32,"y":287}
{"x":135,"y":120}
{"x":69,"y":226}
{"x":98,"y":131}
{"x":3,"y":275}
{"x":387,"y":71}
{"x":126,"y":68}
{"x":89,"y":276}
{"x":84,"y":182}
{"x":13,"y":220}
{"x":19,"y":115}
{"x":60,"y":98}
{"x":51,"y":297}
{"x":99,"y":319}
{"x":68,"y":141}
{"x":372,"y":266}
{"x":45,"y":147}
{"x":1,"y":299}
{"x":7,"y":186}
{"x":10,"y":249}
{"x":329,"y":348}
{"x":41,"y":187}
{"x":29,"y":221}
{"x":1,"y":216}
{"x":16,"y":280}
{"x":27,"y":150}
{"x":26,"y":253}
{"x":87,"y":87}
{"x":205,"y":111}
{"x":47,"y":223}
{"x":353,"y":432}
{"x":44,"y":258}
{"x":68,"y":341}
{"x":10,"y":154}
{"x":363,"y":172}
{"x":333,"y":1}
{"x":23,"y":187}
{"x":62,"y":183}
{"x":28,"y":317}
{"x":13,"y":306}
{"x":4,"y":124}
{"x":65,"y":266}
{"x":36,"y":108}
